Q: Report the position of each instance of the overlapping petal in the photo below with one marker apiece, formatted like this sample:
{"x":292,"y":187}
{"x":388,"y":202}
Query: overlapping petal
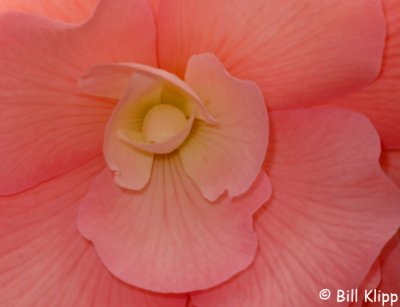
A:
{"x":299,"y":52}
{"x":390,"y":161}
{"x":132,"y":168}
{"x":73,"y":11}
{"x":384,"y":276}
{"x":381,"y":100}
{"x":390,"y":266}
{"x":112,"y":80}
{"x":331,"y":212}
{"x":371,"y":282}
{"x":46,"y":262}
{"x":43,"y":113}
{"x":389,"y":258}
{"x":167,"y":237}
{"x":228,"y":155}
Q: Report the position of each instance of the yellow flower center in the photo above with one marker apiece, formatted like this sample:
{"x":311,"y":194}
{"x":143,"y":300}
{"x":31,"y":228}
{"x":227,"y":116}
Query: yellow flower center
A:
{"x":162,"y":122}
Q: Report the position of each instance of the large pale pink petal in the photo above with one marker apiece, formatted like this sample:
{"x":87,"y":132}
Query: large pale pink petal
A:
{"x":64,"y":10}
{"x":167,"y":237}
{"x":381,"y":100}
{"x":298,"y":51}
{"x":331,"y":212}
{"x":47,"y":126}
{"x":45,"y":261}
{"x":228,"y":155}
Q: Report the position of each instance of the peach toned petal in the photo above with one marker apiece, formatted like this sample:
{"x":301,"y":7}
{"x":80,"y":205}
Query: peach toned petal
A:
{"x":44,"y":260}
{"x":298,"y":51}
{"x":228,"y":155}
{"x":131,"y":167}
{"x":331,"y":212}
{"x":47,"y":126}
{"x":73,"y":11}
{"x":167,"y":237}
{"x":381,"y":100}
{"x":390,"y":161}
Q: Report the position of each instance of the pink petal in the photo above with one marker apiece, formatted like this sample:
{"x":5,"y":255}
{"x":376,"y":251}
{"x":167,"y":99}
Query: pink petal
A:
{"x":331,"y":212}
{"x":131,"y":167}
{"x":155,"y":4}
{"x":227,"y":155}
{"x":73,"y":11}
{"x":44,"y":260}
{"x":389,"y":273}
{"x":371,"y":281}
{"x":108,"y":81}
{"x":112,"y":80}
{"x":390,"y":161}
{"x":167,"y":237}
{"x":298,"y":51}
{"x":390,"y":264}
{"x":381,"y":100}
{"x":47,"y":126}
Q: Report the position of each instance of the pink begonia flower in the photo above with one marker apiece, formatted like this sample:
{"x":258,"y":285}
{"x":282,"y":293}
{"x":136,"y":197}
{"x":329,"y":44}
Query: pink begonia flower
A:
{"x":140,"y":166}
